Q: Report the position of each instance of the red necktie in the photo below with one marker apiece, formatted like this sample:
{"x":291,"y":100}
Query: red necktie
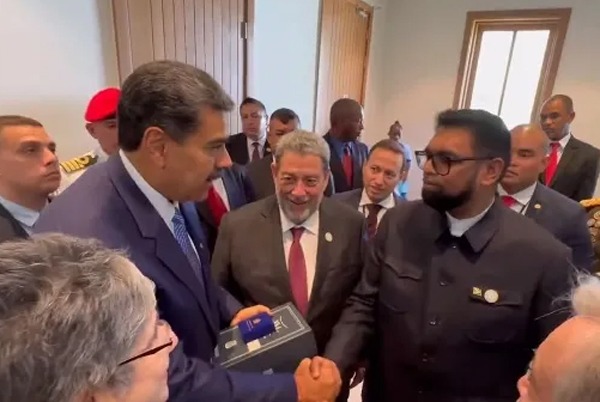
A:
{"x":552,"y":162}
{"x":373,"y":210}
{"x":297,"y":272}
{"x":255,"y":151}
{"x":509,"y":201}
{"x":216,"y":205}
{"x":347,"y":163}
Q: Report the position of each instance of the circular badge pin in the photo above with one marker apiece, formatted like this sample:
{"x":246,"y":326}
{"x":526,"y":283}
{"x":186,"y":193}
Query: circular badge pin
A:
{"x":490,"y":296}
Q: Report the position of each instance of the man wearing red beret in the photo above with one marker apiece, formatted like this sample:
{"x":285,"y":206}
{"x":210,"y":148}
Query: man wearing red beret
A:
{"x":101,"y":117}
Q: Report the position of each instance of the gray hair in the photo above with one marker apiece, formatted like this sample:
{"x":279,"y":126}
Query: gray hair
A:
{"x":169,"y":95}
{"x":304,"y":143}
{"x":581,"y":383}
{"x":70,"y":311}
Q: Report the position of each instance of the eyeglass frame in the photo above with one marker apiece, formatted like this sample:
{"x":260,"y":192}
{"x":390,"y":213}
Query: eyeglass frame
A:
{"x":149,"y":352}
{"x":450,"y":161}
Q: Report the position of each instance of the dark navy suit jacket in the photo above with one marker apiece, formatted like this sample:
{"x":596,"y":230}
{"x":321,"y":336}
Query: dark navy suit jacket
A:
{"x":360,"y":153}
{"x":566,"y":220}
{"x":105,"y":203}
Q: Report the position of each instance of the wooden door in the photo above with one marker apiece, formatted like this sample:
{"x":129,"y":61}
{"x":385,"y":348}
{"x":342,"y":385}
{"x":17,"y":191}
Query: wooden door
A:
{"x":209,"y":34}
{"x":343,"y":56}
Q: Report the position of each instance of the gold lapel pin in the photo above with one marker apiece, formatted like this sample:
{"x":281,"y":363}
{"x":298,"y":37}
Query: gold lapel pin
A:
{"x":329,"y":237}
{"x":537,"y":206}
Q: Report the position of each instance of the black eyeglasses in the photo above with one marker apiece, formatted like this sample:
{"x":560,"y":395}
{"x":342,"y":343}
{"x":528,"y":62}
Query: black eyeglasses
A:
{"x":148,"y":352}
{"x":443,"y":163}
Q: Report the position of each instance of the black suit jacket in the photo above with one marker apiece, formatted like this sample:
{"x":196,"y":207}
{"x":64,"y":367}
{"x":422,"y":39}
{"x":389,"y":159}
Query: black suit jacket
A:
{"x":239,"y":193}
{"x":10,"y":228}
{"x":566,"y":220}
{"x":260,"y":178}
{"x":353,"y":197}
{"x":448,"y":319}
{"x":359,"y":157}
{"x":577,"y":172}
{"x":237,"y":147}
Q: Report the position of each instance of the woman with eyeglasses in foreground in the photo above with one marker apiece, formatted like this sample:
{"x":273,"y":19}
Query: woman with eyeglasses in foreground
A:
{"x":78,"y":323}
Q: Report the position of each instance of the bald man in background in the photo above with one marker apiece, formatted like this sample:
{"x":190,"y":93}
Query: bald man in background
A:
{"x":521,"y":192}
{"x":348,"y":154}
{"x":566,"y":366}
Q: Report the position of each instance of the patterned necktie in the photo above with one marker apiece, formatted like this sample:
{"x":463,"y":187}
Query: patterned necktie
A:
{"x":297,"y":272}
{"x":216,"y":205}
{"x":347,"y":164}
{"x":552,"y":163}
{"x":183,"y":238}
{"x":255,"y":151}
{"x":373,"y":210}
{"x":509,"y":201}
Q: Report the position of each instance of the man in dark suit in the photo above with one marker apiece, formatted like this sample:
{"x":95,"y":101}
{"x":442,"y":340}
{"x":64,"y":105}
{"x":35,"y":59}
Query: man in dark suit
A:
{"x":30,"y":173}
{"x":172,"y":139}
{"x":573,"y":165}
{"x":457,"y":289}
{"x":259,"y":173}
{"x":231,"y":190}
{"x":348,"y":154}
{"x":520,"y":191}
{"x":382,"y":172}
{"x":251,"y":144}
{"x":311,"y":246}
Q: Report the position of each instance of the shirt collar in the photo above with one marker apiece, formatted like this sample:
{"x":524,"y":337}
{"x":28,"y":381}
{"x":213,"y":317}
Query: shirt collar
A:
{"x":459,"y":227}
{"x":164,"y":207}
{"x":311,"y":224}
{"x":386,"y":203}
{"x":261,"y":141}
{"x":523,"y":197}
{"x":25,"y":216}
{"x":564,"y":141}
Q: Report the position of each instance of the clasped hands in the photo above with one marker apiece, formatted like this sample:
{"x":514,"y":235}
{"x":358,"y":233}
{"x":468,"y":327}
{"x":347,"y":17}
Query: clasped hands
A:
{"x":317,"y":379}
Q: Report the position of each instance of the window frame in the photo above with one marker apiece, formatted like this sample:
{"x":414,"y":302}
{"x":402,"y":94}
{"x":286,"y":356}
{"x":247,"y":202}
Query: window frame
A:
{"x":556,"y":20}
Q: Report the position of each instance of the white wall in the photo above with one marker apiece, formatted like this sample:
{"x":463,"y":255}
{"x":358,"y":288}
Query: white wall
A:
{"x":55,"y":55}
{"x":285,"y":55}
{"x":418,"y":58}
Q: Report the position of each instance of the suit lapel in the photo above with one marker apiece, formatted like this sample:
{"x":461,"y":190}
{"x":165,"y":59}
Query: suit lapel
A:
{"x":535,"y":207}
{"x":568,"y":156}
{"x":232,"y":190}
{"x":337,"y":169}
{"x":274,"y":240}
{"x":326,"y":241}
{"x":14,"y":224}
{"x":152,"y":227}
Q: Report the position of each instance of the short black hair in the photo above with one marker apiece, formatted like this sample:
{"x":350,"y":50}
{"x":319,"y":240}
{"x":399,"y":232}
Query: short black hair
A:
{"x":392,"y":146}
{"x":166,"y":94}
{"x":285,"y":115}
{"x":342,"y":108}
{"x":566,"y":100}
{"x":491,"y":138}
{"x":253,"y":101}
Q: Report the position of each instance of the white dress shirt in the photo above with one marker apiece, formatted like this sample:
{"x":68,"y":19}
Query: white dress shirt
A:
{"x":261,"y":147}
{"x":164,"y":207}
{"x":563,"y":143}
{"x":220,"y":189}
{"x":385,"y":204}
{"x":459,"y":227}
{"x":25,"y":216}
{"x":309,"y":241}
{"x":522,"y":198}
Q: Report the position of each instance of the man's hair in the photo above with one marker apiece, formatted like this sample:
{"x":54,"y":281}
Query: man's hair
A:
{"x":285,"y":115}
{"x":169,"y":95}
{"x":392,"y":146}
{"x":253,"y":101}
{"x":491,"y":138}
{"x":342,"y":109}
{"x":304,"y":143}
{"x":14,"y":120}
{"x":581,"y":382}
{"x":566,"y":100}
{"x":71,"y":310}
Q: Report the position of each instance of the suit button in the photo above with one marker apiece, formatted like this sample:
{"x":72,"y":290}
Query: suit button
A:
{"x":433,"y":322}
{"x":442,"y":283}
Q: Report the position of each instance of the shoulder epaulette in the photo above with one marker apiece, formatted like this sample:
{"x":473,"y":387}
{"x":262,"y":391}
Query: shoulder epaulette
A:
{"x":79,"y":162}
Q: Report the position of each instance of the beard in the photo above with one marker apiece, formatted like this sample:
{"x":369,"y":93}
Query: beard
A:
{"x":296,"y":216}
{"x":443,"y":202}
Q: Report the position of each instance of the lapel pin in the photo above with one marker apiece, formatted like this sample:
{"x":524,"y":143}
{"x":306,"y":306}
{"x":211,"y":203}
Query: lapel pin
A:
{"x":490,"y":296}
{"x":477,"y":291}
{"x":329,"y":237}
{"x":537,"y":206}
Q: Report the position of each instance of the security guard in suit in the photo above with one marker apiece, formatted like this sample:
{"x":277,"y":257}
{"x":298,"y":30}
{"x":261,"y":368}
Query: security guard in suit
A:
{"x":101,"y":124}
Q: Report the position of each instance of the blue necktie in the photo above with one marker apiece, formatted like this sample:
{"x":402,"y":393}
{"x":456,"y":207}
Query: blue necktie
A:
{"x":183,"y":238}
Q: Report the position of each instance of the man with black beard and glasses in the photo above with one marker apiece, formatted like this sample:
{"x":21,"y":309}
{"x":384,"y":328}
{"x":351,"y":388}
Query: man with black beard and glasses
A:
{"x":457,"y":290}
